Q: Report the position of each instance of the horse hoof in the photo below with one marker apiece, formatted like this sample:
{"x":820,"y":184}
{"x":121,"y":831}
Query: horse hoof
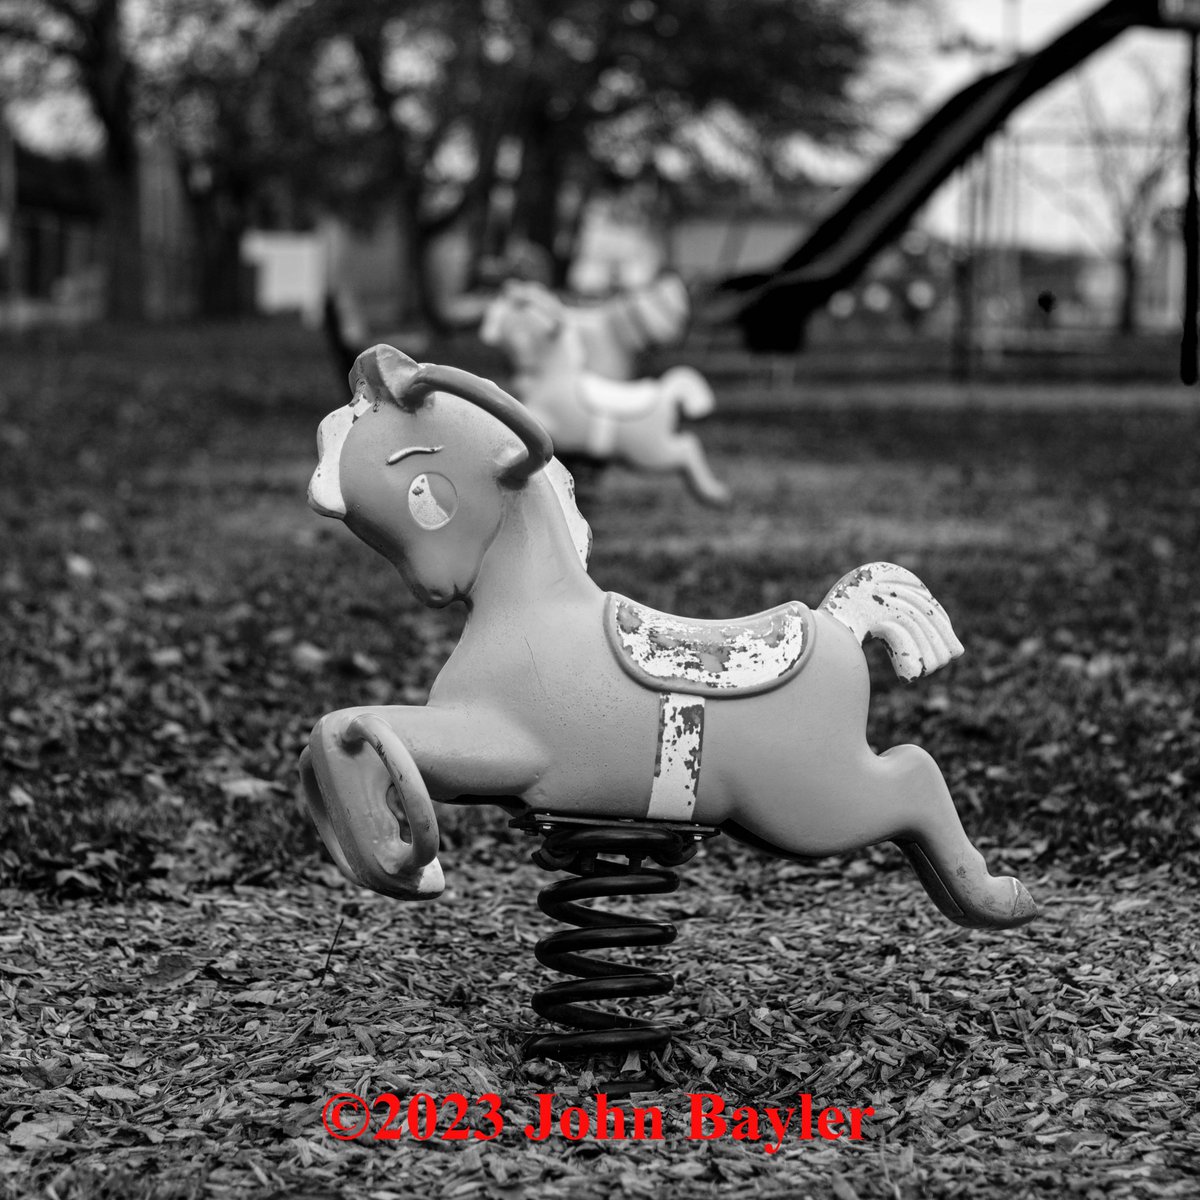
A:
{"x":1024,"y":907}
{"x":1011,"y":906}
{"x":971,"y":897}
{"x":718,"y":496}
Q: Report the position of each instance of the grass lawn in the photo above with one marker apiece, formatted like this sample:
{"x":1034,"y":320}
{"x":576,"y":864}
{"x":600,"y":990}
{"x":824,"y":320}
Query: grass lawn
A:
{"x":184,"y":980}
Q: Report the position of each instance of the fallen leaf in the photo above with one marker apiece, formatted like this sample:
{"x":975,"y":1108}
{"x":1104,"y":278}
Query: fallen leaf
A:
{"x":41,"y":1131}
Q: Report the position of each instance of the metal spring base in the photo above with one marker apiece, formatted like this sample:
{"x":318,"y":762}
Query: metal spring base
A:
{"x":575,"y":845}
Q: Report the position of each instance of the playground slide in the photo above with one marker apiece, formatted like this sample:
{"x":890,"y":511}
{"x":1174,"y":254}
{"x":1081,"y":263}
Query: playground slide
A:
{"x":778,"y":302}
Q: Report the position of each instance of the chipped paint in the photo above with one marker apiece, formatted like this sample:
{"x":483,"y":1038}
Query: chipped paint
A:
{"x":735,"y":657}
{"x":677,"y":763}
{"x":325,"y":487}
{"x":424,"y":506}
{"x":563,"y":484}
{"x":889,"y":602}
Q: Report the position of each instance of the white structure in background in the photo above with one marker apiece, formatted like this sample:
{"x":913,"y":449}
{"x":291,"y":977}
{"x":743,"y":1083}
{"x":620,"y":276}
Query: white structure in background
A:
{"x":295,"y":271}
{"x":364,"y":269}
{"x":289,"y":272}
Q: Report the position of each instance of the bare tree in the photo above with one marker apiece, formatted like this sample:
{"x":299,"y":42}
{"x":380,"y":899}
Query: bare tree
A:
{"x":1133,"y":167}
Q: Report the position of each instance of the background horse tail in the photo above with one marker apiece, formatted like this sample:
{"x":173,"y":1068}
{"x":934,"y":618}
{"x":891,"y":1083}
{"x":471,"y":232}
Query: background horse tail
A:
{"x":885,"y":601}
{"x":654,"y":315}
{"x":688,"y":390}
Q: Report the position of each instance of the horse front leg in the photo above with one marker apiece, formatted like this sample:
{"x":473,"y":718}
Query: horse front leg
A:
{"x":684,"y":452}
{"x":318,"y":809}
{"x":368,"y":774}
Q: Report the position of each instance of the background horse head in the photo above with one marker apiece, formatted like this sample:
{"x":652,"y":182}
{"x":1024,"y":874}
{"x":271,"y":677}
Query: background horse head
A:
{"x":594,"y":415}
{"x":526,"y":318}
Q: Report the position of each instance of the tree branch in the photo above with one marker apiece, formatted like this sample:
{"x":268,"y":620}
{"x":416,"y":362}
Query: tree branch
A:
{"x":370,"y":60}
{"x":13,"y":32}
{"x":66,"y":10}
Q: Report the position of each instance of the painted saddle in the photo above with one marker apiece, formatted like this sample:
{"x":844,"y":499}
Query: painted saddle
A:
{"x":734,"y":657}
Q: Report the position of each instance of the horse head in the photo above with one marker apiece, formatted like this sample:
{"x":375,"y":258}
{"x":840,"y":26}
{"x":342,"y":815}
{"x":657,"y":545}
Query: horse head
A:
{"x":525,"y":320}
{"x":419,"y":464}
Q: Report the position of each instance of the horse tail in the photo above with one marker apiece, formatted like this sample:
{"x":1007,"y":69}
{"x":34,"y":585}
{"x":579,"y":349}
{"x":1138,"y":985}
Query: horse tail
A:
{"x":885,"y":601}
{"x":689,"y":391}
{"x":654,"y":315}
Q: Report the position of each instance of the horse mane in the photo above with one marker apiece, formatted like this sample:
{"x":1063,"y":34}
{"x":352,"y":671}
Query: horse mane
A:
{"x":564,"y":492}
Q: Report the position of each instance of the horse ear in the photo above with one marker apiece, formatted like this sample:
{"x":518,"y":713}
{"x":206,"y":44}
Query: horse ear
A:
{"x":508,"y":464}
{"x":383,"y":367}
{"x":548,"y":307}
{"x":514,"y":467}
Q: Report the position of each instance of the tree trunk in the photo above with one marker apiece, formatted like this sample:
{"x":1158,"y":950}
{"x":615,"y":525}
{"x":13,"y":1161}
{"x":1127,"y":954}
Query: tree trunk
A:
{"x":536,"y":215}
{"x":417,"y":293}
{"x":221,"y":291}
{"x":476,"y":227}
{"x":108,"y":77}
{"x":1130,"y":284}
{"x":123,"y":241}
{"x":478,"y":224}
{"x":572,"y":234}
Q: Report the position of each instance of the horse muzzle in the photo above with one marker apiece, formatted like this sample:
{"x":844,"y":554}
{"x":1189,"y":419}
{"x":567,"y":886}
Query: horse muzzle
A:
{"x":325,"y":487}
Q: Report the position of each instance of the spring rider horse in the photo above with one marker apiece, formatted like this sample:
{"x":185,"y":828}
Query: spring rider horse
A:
{"x":616,"y":330}
{"x":604,"y":726}
{"x":572,"y":367}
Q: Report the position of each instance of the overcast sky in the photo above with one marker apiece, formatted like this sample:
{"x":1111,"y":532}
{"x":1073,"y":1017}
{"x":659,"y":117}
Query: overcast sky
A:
{"x":1051,"y":181}
{"x":1059,"y":197}
{"x":1036,"y":21}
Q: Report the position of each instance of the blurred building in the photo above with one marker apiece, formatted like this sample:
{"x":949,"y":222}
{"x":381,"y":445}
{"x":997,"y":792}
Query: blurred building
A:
{"x":51,"y":260}
{"x":364,"y":265}
{"x":50,"y":213}
{"x":51,"y":230}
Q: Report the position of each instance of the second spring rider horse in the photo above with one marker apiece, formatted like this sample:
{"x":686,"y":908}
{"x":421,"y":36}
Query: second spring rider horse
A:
{"x":581,"y":711}
{"x":557,"y":359}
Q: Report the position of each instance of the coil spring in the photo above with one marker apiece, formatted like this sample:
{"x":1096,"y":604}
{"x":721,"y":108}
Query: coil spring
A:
{"x":574,"y":846}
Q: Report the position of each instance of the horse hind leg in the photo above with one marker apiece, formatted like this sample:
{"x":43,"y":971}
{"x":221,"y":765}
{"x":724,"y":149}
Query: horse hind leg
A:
{"x":889,"y":602}
{"x":688,"y":393}
{"x":687,"y":455}
{"x":934,"y":841}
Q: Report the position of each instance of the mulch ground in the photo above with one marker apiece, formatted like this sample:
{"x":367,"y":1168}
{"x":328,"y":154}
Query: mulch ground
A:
{"x":184,"y":982}
{"x":185,"y":1046}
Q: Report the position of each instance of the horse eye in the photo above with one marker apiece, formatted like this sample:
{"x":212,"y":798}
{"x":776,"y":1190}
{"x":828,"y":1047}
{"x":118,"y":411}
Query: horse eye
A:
{"x":432,"y":500}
